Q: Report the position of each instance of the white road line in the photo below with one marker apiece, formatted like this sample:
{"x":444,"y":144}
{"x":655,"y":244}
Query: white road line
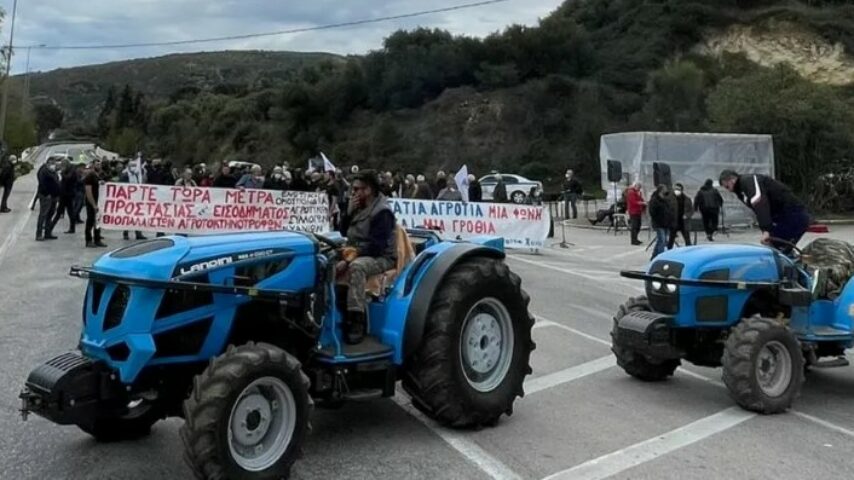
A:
{"x":16,"y":232}
{"x":573,"y":273}
{"x":627,"y":254}
{"x":468,"y":449}
{"x":624,"y":459}
{"x":538,"y":384}
{"x":824,"y":423}
{"x":544,"y":322}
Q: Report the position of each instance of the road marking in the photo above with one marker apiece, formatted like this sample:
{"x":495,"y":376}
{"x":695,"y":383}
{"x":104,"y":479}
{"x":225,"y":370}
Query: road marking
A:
{"x":538,"y":384}
{"x":544,"y":322}
{"x":824,"y":423}
{"x":627,"y":254}
{"x":16,"y":232}
{"x":468,"y":449}
{"x":573,"y":273}
{"x":629,"y":457}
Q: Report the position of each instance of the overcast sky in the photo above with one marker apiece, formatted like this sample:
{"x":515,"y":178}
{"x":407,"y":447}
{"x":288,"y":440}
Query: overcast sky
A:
{"x":99,"y":22}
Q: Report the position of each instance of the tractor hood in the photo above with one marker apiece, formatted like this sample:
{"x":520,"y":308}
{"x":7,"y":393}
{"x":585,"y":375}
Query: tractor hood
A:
{"x":166,"y":257}
{"x":725,"y":262}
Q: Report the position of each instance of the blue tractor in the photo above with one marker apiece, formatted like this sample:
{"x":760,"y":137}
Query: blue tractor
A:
{"x":761,"y":315}
{"x":240,"y":335}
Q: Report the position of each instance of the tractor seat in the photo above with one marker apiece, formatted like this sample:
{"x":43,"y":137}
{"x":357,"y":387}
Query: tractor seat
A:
{"x":835,"y":258}
{"x":377,"y":284}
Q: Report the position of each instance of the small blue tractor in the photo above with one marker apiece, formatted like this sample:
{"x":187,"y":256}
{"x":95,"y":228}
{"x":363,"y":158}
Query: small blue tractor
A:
{"x":240,"y":335}
{"x":763,"y":316}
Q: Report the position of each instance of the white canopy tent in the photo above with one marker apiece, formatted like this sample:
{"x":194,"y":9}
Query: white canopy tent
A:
{"x":692,"y":157}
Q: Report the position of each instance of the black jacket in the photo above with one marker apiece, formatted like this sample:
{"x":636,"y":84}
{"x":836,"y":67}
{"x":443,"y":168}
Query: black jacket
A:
{"x":767,"y":197}
{"x":48,"y":182}
{"x":708,"y":199}
{"x":475,"y":192}
{"x":661,"y":212}
{"x":225,"y":181}
{"x":70,"y":183}
{"x":573,"y":186}
{"x":7,"y":171}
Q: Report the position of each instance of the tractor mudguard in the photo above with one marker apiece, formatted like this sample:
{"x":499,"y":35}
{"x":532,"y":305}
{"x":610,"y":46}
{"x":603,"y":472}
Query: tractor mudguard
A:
{"x":422,"y":298}
{"x":648,"y":333}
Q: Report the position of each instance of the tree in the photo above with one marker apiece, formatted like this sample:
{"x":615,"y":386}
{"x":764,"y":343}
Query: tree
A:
{"x":105,"y":120}
{"x":48,"y":117}
{"x":811,"y":123}
{"x":676,"y":97}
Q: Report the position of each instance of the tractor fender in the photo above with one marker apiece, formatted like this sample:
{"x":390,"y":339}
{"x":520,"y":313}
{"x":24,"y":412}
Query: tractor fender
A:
{"x":422,"y":297}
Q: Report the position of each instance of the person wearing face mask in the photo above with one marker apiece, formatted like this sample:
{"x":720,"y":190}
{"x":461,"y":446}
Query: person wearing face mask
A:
{"x":683,"y":210}
{"x":475,"y":190}
{"x":7,"y":179}
{"x":253,"y":179}
{"x":48,"y":195}
{"x":662,"y":217}
{"x":136,"y":175}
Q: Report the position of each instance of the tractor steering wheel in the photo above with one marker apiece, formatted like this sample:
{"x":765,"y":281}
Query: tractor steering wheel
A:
{"x":794,"y":247}
{"x":333,"y":243}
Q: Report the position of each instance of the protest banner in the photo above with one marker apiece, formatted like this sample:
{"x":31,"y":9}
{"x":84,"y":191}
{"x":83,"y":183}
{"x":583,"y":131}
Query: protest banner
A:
{"x":200,"y":210}
{"x":522,"y":226}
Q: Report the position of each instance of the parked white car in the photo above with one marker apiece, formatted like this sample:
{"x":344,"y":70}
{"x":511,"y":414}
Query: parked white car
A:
{"x":518,"y":187}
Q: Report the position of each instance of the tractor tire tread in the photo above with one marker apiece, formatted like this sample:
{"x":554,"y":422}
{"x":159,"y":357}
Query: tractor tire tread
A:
{"x":429,"y":376}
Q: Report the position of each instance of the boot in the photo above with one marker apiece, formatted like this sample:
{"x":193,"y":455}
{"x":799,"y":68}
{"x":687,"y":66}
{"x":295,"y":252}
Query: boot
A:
{"x":140,"y":236}
{"x":354,"y":328}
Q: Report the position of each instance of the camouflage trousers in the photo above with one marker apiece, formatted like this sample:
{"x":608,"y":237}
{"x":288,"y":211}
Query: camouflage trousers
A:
{"x":835,"y":257}
{"x":358,"y":273}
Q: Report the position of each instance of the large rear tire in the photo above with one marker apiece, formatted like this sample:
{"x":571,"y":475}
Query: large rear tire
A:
{"x":630,"y":360}
{"x":248,"y":415}
{"x":763,"y":365}
{"x":473,"y":360}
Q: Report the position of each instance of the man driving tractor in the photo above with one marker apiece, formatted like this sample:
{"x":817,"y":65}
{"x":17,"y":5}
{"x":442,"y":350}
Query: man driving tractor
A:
{"x":369,"y":226}
{"x":778,"y":211}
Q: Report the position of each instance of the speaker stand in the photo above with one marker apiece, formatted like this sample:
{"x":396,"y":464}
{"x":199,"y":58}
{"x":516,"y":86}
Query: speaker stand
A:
{"x":563,"y":243}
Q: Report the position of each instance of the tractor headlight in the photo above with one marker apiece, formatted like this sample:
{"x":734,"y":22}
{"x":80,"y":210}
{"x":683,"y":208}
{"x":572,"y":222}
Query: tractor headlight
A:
{"x":671,"y":288}
{"x":656,"y":285}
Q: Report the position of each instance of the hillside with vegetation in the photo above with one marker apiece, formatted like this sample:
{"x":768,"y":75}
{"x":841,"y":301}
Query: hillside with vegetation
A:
{"x":533,"y":100}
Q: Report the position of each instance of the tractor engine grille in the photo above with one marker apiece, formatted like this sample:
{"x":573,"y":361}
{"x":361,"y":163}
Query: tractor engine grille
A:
{"x":117,"y":306}
{"x":664,"y":298}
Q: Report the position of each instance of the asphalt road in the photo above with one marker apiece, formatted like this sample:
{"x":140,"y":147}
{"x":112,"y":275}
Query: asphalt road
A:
{"x":582,"y":418}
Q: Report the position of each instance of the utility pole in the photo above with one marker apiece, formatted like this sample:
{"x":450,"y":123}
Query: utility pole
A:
{"x":25,"y":103}
{"x":6,"y":81}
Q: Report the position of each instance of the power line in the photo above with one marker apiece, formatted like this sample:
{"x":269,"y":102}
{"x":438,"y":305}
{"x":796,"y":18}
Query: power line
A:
{"x":271,"y":34}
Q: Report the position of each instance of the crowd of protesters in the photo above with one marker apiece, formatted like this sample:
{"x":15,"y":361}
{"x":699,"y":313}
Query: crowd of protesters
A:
{"x":66,"y":187}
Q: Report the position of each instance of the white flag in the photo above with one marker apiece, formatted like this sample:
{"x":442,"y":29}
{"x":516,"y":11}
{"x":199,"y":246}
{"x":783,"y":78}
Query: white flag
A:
{"x":327,"y":165}
{"x":462,"y":179}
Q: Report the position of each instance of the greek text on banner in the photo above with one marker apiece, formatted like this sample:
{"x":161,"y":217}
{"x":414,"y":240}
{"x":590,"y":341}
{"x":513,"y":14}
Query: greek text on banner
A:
{"x":199,"y":210}
{"x":522,"y":226}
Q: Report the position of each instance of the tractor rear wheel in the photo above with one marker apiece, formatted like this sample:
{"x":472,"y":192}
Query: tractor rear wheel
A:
{"x":763,"y":365}
{"x":630,"y":360}
{"x":470,"y":367}
{"x":248,"y":415}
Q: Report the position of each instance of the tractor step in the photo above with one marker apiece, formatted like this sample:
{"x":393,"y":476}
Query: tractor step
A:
{"x":369,"y":348}
{"x":364,"y":395}
{"x":836,"y":362}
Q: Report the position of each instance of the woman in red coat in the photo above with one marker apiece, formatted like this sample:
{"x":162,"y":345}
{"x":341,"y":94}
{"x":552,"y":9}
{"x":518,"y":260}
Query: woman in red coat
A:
{"x":636,"y":206}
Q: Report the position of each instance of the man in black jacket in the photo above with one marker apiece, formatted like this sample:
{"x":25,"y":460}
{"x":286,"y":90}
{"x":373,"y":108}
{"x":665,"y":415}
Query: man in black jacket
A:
{"x":779,"y":213}
{"x":572,"y":191}
{"x":475,"y":190}
{"x":683,"y":210}
{"x":7,"y":179}
{"x":709,"y":203}
{"x":48,"y":194}
{"x":662,"y":217}
{"x":68,"y":188}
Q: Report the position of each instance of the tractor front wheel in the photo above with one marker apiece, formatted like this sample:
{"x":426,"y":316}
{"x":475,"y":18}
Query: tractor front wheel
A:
{"x":632,"y":361}
{"x":763,"y":365}
{"x":473,"y":360}
{"x":248,"y":415}
{"x":131,"y":423}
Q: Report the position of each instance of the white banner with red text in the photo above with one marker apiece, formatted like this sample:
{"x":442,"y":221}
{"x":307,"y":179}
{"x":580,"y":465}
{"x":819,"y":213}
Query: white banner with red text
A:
{"x":522,"y":226}
{"x":200,"y":210}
